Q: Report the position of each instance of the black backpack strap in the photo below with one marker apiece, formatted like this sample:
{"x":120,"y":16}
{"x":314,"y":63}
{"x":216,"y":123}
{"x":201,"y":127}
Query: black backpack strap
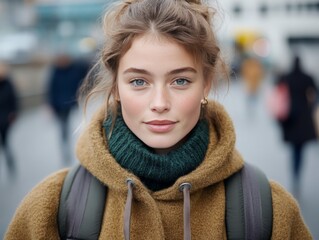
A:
{"x":248,"y":205}
{"x":82,"y":203}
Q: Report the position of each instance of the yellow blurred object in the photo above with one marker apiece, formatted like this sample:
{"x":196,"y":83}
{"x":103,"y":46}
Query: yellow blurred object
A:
{"x":252,"y":73}
{"x":246,"y":38}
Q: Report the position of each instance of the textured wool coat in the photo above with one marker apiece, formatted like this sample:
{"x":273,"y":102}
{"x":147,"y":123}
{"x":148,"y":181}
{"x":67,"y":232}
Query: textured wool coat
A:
{"x":155,"y":215}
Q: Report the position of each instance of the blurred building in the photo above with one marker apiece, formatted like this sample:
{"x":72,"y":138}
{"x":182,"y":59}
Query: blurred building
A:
{"x":72,"y":25}
{"x":56,"y":25}
{"x":274,"y":30}
{"x":48,"y":26}
{"x":268,"y":30}
{"x":33,"y":32}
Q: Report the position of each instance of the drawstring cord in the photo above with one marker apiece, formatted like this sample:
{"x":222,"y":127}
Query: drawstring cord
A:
{"x":128,"y":209}
{"x":185,"y":188}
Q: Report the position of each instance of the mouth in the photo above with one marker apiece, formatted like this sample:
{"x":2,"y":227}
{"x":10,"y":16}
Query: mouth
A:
{"x":160,"y":126}
{"x":160,"y":122}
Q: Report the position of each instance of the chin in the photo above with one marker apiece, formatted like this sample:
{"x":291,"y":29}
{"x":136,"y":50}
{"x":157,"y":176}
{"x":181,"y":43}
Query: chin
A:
{"x":163,"y":146}
{"x":160,"y":146}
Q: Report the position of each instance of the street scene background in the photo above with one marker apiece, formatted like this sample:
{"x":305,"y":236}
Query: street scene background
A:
{"x":259,"y":42}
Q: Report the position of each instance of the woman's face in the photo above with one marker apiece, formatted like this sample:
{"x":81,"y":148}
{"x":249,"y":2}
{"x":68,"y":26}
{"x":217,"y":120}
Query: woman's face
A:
{"x":160,"y":88}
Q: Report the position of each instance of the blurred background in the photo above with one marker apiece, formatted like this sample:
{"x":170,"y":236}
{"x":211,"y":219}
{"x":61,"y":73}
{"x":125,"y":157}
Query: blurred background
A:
{"x":47,"y":47}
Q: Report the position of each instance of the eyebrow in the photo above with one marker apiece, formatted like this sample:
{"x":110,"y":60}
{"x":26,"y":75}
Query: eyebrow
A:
{"x":175,"y":71}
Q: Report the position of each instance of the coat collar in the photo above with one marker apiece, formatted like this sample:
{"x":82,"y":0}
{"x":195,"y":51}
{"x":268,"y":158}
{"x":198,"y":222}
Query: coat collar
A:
{"x":221,"y":159}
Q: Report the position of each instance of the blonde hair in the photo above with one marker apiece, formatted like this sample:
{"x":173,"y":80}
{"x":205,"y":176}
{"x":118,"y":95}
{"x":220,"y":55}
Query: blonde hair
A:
{"x":189,"y":23}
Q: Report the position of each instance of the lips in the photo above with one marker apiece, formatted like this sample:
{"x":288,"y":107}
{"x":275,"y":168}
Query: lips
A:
{"x":160,"y":126}
{"x":160,"y":122}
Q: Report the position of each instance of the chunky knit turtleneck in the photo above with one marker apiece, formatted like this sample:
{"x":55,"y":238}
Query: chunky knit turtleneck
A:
{"x":156,"y":171}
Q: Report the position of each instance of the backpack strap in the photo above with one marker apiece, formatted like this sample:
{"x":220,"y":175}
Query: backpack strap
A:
{"x":248,"y":205}
{"x":82,"y":203}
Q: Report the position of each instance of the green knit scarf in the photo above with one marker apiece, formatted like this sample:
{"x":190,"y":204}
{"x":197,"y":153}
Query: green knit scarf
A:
{"x":156,"y":171}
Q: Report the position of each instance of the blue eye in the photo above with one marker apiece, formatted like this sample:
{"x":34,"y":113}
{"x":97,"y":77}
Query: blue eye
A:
{"x":181,"y":81}
{"x":138,"y":82}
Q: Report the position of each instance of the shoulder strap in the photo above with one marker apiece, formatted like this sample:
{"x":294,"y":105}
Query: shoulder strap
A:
{"x":82,"y":203}
{"x":248,"y":205}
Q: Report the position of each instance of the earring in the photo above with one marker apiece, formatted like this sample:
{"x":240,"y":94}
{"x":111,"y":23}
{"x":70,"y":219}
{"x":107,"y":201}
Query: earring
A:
{"x":204,"y":101}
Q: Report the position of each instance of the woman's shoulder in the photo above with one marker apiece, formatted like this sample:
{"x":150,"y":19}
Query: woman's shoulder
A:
{"x":36,"y":215}
{"x":49,"y":186}
{"x":45,"y":194}
{"x":282,"y":198}
{"x":286,"y":212}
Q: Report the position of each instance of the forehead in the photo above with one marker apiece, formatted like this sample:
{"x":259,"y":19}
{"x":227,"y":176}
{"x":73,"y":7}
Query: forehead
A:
{"x":148,"y":49}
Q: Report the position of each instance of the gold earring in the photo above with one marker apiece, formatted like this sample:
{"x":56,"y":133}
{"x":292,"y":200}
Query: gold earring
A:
{"x":204,"y":101}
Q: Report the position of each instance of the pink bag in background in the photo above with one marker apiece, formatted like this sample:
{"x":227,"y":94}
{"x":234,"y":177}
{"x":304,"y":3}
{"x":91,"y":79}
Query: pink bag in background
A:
{"x":278,"y":102}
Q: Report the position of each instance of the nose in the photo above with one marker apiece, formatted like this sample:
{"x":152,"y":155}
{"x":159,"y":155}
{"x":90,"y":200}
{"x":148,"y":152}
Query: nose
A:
{"x":160,"y":101}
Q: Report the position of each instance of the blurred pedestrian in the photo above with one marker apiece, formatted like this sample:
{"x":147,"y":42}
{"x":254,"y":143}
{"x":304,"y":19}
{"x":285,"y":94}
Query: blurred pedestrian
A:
{"x":64,"y":81}
{"x":298,"y":127}
{"x":252,"y":73}
{"x":8,"y":112}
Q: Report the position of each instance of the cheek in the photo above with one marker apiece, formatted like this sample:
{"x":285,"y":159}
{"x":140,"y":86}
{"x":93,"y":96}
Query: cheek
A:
{"x":131,"y":106}
{"x":190,"y":106}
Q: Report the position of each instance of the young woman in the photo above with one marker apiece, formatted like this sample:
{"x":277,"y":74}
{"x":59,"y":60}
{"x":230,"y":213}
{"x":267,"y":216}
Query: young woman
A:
{"x":159,"y":131}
